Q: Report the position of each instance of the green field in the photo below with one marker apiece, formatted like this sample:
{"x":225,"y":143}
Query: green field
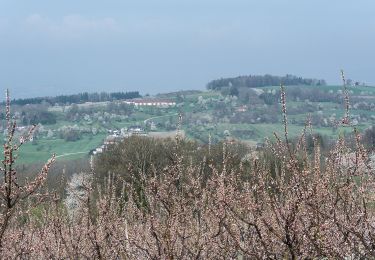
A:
{"x":356,"y":90}
{"x":267,"y":130}
{"x":200,"y":111}
{"x":42,"y":151}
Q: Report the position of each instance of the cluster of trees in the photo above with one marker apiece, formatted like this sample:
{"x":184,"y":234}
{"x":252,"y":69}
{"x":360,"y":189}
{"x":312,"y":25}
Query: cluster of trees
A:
{"x":148,"y":156}
{"x":369,"y":138}
{"x":79,"y":98}
{"x":254,"y":81}
{"x":313,"y":95}
{"x":270,"y":98}
{"x":32,"y":115}
{"x":255,"y":117}
{"x":111,"y":110}
{"x":70,"y":134}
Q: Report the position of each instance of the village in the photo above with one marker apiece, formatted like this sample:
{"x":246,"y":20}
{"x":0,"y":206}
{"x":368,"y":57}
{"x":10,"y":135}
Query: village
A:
{"x":116,"y":136}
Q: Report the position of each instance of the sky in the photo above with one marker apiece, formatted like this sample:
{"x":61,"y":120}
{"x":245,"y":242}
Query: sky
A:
{"x":58,"y":47}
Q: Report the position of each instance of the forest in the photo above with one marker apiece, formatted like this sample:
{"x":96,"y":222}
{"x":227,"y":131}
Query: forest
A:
{"x":255,"y":81}
{"x":78,"y":98}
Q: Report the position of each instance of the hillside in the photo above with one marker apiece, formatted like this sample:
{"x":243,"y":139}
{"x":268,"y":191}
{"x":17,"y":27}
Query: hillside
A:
{"x":256,"y":81}
{"x":253,"y":114}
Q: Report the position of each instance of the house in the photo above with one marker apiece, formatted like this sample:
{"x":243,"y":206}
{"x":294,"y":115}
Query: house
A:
{"x":136,"y":130}
{"x":153,"y":126}
{"x":112,"y":139}
{"x":241,"y":108}
{"x":117,"y":136}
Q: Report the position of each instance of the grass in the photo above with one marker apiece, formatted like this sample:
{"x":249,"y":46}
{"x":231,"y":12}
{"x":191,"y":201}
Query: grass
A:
{"x":267,"y":130}
{"x":356,"y":90}
{"x":44,"y":148}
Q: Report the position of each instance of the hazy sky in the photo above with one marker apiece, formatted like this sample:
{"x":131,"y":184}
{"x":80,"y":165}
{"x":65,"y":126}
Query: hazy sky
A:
{"x":70,"y":46}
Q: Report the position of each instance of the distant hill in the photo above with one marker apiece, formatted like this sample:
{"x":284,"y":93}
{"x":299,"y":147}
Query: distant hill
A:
{"x":178,"y":93}
{"x":79,"y":98}
{"x":257,"y":81}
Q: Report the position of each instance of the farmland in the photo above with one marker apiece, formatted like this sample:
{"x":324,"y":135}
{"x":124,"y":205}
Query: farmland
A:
{"x":251,"y":116}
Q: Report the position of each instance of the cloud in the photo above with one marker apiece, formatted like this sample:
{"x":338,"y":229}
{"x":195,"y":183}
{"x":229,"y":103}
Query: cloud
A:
{"x":69,"y":26}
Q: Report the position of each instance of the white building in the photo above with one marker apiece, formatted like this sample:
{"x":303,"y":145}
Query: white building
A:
{"x":151,"y":102}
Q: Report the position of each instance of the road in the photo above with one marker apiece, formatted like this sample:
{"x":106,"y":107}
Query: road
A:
{"x":67,"y":154}
{"x":155,"y":117}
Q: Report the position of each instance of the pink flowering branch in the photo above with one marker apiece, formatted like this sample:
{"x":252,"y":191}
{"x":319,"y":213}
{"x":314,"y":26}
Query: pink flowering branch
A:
{"x":11,"y":191}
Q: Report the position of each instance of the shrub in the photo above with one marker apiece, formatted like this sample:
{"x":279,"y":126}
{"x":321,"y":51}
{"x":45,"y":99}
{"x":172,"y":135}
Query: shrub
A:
{"x":14,"y":193}
{"x":176,"y":202}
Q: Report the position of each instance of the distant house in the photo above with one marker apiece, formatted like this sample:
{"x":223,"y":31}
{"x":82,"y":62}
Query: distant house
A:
{"x":112,"y":139}
{"x":242,"y":108}
{"x":156,"y":102}
{"x":136,"y":130}
{"x":116,"y":136}
{"x":21,"y":128}
{"x":97,"y":150}
{"x":153,"y":126}
{"x":260,"y":146}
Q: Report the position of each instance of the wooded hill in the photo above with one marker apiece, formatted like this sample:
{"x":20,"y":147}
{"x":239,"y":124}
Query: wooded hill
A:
{"x":255,"y":81}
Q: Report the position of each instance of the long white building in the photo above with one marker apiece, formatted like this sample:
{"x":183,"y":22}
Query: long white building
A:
{"x":151,"y":102}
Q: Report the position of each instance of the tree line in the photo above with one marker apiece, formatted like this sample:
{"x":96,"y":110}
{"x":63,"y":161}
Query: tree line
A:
{"x":256,"y":81}
{"x":79,"y":98}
